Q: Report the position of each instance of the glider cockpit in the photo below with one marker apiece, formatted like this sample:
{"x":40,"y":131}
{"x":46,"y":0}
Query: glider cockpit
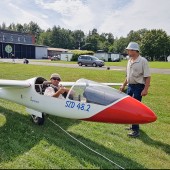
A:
{"x":92,"y":92}
{"x":84,"y":90}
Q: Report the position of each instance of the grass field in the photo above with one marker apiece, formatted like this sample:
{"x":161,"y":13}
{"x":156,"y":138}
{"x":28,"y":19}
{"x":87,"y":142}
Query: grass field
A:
{"x":25,"y":145}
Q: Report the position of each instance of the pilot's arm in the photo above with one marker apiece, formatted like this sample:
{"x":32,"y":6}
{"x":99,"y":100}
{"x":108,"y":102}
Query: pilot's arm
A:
{"x":51,"y":92}
{"x":60,"y":91}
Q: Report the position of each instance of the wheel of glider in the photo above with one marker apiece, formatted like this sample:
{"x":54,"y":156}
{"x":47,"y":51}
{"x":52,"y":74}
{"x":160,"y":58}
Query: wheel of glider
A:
{"x":38,"y":120}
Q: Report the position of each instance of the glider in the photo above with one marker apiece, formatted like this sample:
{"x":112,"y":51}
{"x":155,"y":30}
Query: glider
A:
{"x":87,"y":100}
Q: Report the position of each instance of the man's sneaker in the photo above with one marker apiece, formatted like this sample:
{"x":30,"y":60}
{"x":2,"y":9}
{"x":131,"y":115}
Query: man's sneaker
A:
{"x":134,"y":134}
{"x":128,"y":128}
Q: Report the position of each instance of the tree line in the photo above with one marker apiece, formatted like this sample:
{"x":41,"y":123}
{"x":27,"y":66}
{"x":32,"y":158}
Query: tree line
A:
{"x":154,"y":43}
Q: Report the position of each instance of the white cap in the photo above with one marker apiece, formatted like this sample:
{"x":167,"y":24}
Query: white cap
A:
{"x":133,"y":46}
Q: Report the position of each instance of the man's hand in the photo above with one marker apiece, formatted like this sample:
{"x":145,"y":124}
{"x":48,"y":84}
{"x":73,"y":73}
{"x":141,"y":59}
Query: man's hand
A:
{"x":144,"y":92}
{"x":122,"y":88}
{"x":62,"y":90}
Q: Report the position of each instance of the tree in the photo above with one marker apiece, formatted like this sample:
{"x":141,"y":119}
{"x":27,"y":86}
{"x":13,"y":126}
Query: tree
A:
{"x":105,"y":41}
{"x":133,"y":36}
{"x":26,"y":28}
{"x":12,"y":27}
{"x":61,"y":38}
{"x":94,"y":31}
{"x":93,"y":40}
{"x":3,"y":26}
{"x":45,"y":38}
{"x":119,"y":45}
{"x":19,"y":28}
{"x":136,"y":36}
{"x":155,"y":45}
{"x":79,"y":39}
{"x":34,"y":29}
{"x":110,"y":38}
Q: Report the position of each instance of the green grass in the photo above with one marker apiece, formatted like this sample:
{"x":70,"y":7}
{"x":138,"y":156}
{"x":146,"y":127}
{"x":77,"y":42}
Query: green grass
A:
{"x":25,"y":145}
{"x":159,"y":64}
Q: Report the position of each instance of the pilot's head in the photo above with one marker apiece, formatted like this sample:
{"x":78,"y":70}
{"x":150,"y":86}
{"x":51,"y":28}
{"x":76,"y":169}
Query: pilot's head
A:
{"x":55,"y":79}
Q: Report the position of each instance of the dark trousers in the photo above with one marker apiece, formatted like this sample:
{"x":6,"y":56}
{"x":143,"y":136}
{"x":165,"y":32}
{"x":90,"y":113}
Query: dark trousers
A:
{"x":135,"y":90}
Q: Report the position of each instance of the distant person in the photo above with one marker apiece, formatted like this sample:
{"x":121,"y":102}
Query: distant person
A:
{"x":13,"y":57}
{"x":26,"y":61}
{"x":138,"y":79}
{"x":56,"y":90}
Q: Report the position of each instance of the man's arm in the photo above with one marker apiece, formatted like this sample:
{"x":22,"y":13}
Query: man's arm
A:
{"x":147,"y":84}
{"x":61,"y":90}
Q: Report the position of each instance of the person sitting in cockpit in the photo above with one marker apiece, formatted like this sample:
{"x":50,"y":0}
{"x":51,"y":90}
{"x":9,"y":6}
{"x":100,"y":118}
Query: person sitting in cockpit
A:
{"x":56,"y":90}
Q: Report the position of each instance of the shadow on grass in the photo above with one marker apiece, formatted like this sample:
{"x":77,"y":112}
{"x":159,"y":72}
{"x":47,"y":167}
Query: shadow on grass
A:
{"x":146,"y":139}
{"x":18,"y":135}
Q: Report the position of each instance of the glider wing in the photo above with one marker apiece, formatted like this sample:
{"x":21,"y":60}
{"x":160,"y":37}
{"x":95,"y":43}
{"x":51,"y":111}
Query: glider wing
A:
{"x":14,"y":83}
{"x":108,"y":84}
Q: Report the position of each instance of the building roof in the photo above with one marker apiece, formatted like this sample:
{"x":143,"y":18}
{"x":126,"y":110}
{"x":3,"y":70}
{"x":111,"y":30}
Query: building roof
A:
{"x":15,"y":32}
{"x":36,"y":45}
{"x":57,"y":49}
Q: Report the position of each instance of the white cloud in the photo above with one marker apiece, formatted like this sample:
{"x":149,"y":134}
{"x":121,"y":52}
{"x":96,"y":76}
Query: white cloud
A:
{"x":139,"y":14}
{"x":71,"y":13}
{"x":18,"y":13}
{"x":116,"y":16}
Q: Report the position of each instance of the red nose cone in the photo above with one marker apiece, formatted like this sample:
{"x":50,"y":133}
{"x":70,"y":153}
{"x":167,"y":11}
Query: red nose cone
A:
{"x":126,"y":111}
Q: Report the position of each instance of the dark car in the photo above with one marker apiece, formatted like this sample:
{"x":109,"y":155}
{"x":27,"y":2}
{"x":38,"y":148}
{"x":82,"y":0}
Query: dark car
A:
{"x":89,"y":60}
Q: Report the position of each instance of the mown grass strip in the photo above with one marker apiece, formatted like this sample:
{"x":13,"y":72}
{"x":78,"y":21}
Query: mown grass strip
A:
{"x":25,"y":145}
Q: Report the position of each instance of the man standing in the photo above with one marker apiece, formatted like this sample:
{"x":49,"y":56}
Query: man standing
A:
{"x":137,"y":77}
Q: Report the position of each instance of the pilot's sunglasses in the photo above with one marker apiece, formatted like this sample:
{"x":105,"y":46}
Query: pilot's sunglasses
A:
{"x":58,"y":79}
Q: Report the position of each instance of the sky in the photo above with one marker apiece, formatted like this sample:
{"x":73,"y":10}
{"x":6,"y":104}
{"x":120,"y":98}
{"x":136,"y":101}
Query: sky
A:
{"x":118,"y":17}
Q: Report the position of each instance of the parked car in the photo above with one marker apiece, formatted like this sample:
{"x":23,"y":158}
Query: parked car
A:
{"x":55,"y":58}
{"x":89,"y":60}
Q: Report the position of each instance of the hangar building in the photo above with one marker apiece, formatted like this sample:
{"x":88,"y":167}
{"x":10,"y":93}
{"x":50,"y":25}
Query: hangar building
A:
{"x":20,"y":45}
